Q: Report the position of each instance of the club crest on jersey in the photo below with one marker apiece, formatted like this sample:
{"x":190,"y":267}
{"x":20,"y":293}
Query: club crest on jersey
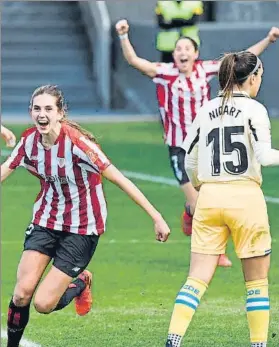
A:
{"x":61,"y":162}
{"x":92,"y":156}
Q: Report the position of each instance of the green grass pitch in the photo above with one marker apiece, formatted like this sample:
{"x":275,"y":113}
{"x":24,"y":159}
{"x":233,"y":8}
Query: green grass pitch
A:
{"x":135,"y":278}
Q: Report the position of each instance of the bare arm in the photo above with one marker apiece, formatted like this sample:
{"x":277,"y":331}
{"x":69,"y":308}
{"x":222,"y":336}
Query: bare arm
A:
{"x":8,"y":136}
{"x":115,"y":176}
{"x":5,"y":171}
{"x":259,"y":47}
{"x":145,"y":66}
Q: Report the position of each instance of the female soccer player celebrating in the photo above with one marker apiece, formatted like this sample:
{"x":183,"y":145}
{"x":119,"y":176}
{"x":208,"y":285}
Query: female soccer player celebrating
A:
{"x":69,"y":213}
{"x":182,"y":88}
{"x":8,"y":136}
{"x":225,"y":148}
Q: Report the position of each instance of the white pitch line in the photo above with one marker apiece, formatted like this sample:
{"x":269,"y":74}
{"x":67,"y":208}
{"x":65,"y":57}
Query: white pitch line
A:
{"x":24,"y":342}
{"x":172,"y":182}
{"x":155,"y":179}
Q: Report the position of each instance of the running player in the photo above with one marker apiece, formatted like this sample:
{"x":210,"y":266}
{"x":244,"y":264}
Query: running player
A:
{"x":69,"y":213}
{"x":182,"y":88}
{"x":8,"y":136}
{"x":229,"y":141}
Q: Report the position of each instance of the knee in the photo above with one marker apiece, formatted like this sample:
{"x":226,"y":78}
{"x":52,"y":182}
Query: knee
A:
{"x":43,"y":305}
{"x":22,"y":295}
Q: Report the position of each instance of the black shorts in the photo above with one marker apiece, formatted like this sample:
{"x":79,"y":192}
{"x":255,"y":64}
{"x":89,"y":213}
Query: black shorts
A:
{"x":71,"y":253}
{"x":177,"y":161}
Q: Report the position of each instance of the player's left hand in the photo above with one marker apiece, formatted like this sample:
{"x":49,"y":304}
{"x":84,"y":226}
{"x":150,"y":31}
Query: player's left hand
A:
{"x":273,"y":35}
{"x":162,"y":230}
{"x":8,"y":136}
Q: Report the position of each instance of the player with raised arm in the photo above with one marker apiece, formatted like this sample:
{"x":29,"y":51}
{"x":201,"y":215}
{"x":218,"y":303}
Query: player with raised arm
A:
{"x":182,"y":88}
{"x":69,"y":213}
{"x":227,"y":145}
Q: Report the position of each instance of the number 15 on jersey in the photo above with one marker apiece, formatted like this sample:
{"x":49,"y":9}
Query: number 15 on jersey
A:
{"x":224,"y":144}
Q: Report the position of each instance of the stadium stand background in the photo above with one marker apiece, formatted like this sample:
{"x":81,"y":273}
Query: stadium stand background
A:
{"x":254,"y":19}
{"x":47,"y":42}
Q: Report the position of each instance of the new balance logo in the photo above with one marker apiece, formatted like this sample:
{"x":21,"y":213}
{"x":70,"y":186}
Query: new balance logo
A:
{"x":29,"y":229}
{"x":76,"y":269}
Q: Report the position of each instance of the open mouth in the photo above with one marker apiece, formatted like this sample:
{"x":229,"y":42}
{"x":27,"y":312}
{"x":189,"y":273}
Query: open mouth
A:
{"x":43,"y":123}
{"x":183,"y":60}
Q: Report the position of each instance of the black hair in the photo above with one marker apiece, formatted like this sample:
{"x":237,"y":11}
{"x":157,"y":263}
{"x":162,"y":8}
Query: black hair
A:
{"x":235,"y":69}
{"x":195,"y":44}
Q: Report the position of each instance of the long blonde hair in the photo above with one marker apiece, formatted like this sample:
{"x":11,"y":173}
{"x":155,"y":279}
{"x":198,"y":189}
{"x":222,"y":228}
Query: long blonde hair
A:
{"x":62,"y":107}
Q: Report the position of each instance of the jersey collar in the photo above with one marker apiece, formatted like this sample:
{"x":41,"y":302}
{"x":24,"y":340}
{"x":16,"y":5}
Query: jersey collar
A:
{"x":237,"y":93}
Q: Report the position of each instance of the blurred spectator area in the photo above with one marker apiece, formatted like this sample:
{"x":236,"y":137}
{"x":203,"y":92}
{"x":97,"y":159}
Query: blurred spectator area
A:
{"x":221,"y":11}
{"x":51,"y":42}
{"x":45,"y":42}
{"x":226,"y":26}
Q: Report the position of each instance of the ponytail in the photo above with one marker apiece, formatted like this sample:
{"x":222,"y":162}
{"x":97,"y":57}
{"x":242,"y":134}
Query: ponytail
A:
{"x":79,"y":128}
{"x":228,"y":70}
{"x":234,"y":71}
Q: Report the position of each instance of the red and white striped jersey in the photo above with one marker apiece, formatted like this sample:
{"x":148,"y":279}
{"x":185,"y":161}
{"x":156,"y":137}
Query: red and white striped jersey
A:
{"x":180,"y":97}
{"x":71,"y":198}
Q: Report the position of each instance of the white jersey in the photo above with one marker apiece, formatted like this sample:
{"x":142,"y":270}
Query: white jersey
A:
{"x":231,"y":146}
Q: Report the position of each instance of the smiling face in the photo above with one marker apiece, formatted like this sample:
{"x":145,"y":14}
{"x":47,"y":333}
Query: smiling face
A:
{"x":185,"y":54}
{"x":45,"y":113}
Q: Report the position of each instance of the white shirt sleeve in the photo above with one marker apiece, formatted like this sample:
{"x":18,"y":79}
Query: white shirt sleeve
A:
{"x":190,"y":145}
{"x":261,"y":137}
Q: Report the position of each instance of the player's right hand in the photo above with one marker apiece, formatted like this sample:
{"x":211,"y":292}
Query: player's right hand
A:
{"x":8,"y":136}
{"x":273,"y":35}
{"x":162,"y":230}
{"x":122,"y":27}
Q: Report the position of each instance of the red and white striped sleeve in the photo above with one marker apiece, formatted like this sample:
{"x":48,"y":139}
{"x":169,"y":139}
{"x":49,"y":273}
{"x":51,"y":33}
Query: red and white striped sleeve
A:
{"x":93,"y":155}
{"x":87,"y":151}
{"x":17,"y":156}
{"x":211,"y":68}
{"x":164,"y":70}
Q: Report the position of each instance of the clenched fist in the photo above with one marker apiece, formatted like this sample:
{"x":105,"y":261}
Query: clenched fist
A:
{"x":273,"y":35}
{"x":122,"y":27}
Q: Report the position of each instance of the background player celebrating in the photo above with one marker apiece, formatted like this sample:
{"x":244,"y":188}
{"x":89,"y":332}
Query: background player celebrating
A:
{"x":182,"y":88}
{"x":69,"y":213}
{"x":227,"y":144}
